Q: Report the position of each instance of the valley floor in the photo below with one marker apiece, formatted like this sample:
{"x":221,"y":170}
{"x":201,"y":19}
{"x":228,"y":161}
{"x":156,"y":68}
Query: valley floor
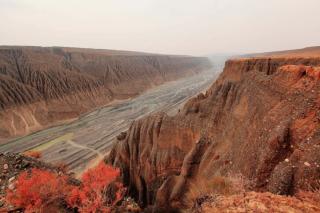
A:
{"x":87,"y":139}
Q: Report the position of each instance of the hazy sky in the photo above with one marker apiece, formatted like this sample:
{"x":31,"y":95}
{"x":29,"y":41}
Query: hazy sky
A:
{"x":194,"y":27}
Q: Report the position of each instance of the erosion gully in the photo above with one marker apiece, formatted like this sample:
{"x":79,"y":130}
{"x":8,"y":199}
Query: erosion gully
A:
{"x":85,"y":141}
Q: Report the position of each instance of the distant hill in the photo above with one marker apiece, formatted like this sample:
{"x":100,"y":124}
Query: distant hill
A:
{"x":43,"y":85}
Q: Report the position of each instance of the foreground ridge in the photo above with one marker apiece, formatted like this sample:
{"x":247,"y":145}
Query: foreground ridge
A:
{"x":260,"y":120}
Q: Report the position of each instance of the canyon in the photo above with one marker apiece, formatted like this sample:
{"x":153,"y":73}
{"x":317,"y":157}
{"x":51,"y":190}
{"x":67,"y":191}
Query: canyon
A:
{"x":259,"y":121}
{"x":45,"y":86}
{"x":86,"y":140}
{"x":185,"y":137}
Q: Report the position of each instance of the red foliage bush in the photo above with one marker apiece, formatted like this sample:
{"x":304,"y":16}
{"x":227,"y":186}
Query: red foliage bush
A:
{"x":33,"y":154}
{"x":36,"y":189}
{"x":92,"y":195}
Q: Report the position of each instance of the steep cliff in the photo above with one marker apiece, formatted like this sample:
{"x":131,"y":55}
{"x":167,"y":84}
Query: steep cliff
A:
{"x":41,"y":86}
{"x":260,"y":120}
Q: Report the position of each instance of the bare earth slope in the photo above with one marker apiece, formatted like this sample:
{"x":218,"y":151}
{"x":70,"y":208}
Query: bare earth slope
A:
{"x":40,"y":86}
{"x":260,"y":119}
{"x":262,"y":202}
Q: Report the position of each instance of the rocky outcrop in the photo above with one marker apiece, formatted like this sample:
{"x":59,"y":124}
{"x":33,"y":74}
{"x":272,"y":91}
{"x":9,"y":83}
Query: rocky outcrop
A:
{"x":260,"y":119}
{"x":41,"y":86}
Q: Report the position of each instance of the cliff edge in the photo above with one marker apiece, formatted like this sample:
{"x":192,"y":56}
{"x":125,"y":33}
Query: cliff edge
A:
{"x":259,"y":120}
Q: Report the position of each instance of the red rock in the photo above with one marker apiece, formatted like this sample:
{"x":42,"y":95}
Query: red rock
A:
{"x":255,"y":116}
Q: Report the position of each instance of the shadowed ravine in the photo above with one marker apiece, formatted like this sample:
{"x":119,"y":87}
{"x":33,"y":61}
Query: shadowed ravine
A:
{"x":80,"y":142}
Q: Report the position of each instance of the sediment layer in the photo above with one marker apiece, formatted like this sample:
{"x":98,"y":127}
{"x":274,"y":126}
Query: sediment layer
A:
{"x":42,"y":86}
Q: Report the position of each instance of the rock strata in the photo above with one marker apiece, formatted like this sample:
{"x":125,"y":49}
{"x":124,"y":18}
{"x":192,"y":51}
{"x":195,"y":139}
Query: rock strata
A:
{"x":260,"y":119}
{"x":42,"y":86}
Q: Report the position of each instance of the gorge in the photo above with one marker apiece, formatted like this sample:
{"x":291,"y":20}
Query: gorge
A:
{"x":151,"y":106}
{"x":248,"y":141}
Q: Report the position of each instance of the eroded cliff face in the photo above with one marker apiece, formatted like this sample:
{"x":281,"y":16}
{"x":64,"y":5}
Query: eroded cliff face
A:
{"x":41,"y":86}
{"x":260,"y":119}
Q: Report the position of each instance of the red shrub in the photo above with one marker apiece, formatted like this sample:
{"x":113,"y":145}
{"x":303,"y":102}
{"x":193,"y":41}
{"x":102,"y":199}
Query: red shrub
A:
{"x":33,"y":154}
{"x":36,"y":189}
{"x":92,"y":195}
